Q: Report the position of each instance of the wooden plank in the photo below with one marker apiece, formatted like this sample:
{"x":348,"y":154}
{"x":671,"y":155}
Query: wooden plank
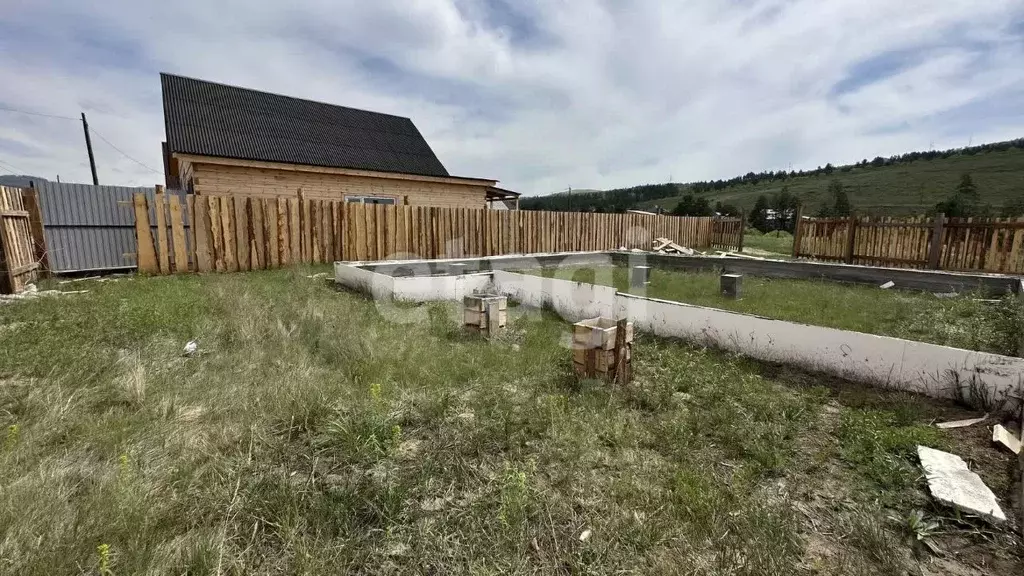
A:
{"x":162,"y":251}
{"x":178,"y":235}
{"x":258,"y":233}
{"x":284,"y":245}
{"x":227,"y":225}
{"x":294,"y":232}
{"x":316,"y":230}
{"x":190,"y":204}
{"x":30,"y":199}
{"x":273,"y":239}
{"x":145,"y":253}
{"x":201,"y":225}
{"x":935,"y":246}
{"x":216,"y":228}
{"x":243,"y":240}
{"x":306,"y":210}
{"x":391,"y":232}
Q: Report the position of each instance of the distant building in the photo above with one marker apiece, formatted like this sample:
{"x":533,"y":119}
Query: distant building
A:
{"x":228,"y":140}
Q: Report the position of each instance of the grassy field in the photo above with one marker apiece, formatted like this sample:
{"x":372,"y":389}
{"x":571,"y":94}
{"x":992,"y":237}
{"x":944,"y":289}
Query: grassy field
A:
{"x":773,"y":244}
{"x":902,"y":189}
{"x":311,"y":436}
{"x":963,"y":322}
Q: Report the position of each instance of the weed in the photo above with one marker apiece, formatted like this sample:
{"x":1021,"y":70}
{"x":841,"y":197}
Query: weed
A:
{"x":881,"y":450}
{"x":103,"y":561}
{"x":13,"y":431}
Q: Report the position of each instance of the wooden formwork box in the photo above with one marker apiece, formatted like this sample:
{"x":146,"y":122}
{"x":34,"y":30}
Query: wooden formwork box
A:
{"x":603,"y":348}
{"x":479,"y":309}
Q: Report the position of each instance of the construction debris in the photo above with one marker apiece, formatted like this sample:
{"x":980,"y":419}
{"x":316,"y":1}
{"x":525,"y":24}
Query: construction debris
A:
{"x":31,"y":292}
{"x":1003,"y":436}
{"x":887,"y":285}
{"x":961,"y":423}
{"x":952,"y":483}
{"x":666,"y":246}
{"x":738,"y":255}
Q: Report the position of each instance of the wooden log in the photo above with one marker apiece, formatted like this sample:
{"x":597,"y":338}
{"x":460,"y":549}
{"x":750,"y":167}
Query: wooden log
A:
{"x":227,"y":225}
{"x":160,"y":208}
{"x":201,"y":225}
{"x":145,"y":252}
{"x":178,"y":234}
{"x":217,"y":233}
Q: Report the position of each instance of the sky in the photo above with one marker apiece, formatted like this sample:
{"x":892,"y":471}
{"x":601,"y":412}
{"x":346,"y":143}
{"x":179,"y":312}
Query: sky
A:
{"x":539,"y":94}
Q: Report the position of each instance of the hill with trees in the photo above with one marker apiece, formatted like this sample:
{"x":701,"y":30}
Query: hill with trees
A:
{"x":907,"y":184}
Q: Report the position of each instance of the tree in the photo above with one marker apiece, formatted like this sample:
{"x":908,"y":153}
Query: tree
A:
{"x":691,"y":205}
{"x":759,"y":214}
{"x":966,"y":188}
{"x":964,"y":202}
{"x":838,"y":203}
{"x":726,"y":209}
{"x":784,"y":207}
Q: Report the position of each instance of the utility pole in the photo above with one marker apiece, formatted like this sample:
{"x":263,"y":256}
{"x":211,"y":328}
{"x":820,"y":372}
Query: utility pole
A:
{"x":568,"y":200}
{"x":88,"y":146}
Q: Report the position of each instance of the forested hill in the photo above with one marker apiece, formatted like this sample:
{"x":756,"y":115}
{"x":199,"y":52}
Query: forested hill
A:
{"x":910,"y":183}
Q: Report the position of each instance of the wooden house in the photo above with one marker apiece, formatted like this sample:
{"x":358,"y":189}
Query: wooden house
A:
{"x":228,"y":140}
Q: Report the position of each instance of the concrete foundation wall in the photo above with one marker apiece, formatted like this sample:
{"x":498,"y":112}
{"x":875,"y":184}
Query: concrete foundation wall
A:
{"x":928,"y":280}
{"x":573,"y":301}
{"x":937,"y":371}
{"x":512,"y":262}
{"x":985,"y":380}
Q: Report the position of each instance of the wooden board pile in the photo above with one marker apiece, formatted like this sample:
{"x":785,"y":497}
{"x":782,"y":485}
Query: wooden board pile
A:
{"x":666,"y":246}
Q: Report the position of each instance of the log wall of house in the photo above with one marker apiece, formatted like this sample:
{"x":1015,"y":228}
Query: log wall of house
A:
{"x":208,"y":178}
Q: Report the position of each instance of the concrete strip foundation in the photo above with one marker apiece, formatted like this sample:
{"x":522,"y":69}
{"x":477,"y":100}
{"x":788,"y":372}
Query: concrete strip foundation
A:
{"x":905,"y":278}
{"x":984,"y":380}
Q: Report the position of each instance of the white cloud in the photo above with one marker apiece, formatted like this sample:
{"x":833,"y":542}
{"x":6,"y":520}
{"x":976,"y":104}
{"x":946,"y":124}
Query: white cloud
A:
{"x":583,"y":93}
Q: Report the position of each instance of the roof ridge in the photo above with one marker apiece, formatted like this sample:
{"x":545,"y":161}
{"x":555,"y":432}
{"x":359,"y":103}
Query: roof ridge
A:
{"x":169,"y":75}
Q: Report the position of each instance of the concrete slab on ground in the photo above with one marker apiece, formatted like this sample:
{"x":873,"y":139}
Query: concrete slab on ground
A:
{"x":952,"y":483}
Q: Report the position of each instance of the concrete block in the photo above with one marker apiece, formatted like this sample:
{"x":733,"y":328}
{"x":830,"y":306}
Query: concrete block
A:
{"x":639,"y":276}
{"x":732,"y":286}
{"x":952,"y":483}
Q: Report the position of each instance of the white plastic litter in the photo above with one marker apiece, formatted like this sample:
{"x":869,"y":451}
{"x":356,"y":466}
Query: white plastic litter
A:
{"x":191,"y":347}
{"x":887,"y":285}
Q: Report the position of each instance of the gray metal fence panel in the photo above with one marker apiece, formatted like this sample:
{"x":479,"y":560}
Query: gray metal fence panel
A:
{"x":92,"y":228}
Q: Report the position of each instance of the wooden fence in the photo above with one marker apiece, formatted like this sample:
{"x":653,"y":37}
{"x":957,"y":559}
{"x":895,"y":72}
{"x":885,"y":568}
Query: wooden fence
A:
{"x":971,"y":244}
{"x":22,"y":252}
{"x":230,"y":233}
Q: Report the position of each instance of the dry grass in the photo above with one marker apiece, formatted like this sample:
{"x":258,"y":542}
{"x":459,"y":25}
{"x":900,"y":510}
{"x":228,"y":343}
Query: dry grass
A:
{"x":309,"y":436}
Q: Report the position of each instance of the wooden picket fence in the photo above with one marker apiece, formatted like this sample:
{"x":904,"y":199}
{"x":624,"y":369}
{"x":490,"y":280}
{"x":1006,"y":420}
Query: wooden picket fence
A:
{"x":940,"y":243}
{"x":22,"y":246}
{"x":232,"y":233}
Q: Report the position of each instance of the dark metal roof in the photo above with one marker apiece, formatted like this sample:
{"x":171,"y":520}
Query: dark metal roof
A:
{"x":212,"y":119}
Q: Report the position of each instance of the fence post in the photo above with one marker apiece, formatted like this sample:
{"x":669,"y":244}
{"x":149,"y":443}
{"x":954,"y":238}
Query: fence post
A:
{"x":935,"y":249}
{"x":851,"y":238}
{"x":743,"y":228}
{"x":797,"y":230}
{"x":30,"y":197}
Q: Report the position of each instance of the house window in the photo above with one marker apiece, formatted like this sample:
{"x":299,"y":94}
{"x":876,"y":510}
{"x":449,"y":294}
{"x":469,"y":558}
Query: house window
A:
{"x":369,"y":200}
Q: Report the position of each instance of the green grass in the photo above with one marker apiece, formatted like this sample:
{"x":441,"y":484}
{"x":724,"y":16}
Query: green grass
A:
{"x":902,"y":189}
{"x":962,"y":322}
{"x":773,"y":244}
{"x":311,"y":436}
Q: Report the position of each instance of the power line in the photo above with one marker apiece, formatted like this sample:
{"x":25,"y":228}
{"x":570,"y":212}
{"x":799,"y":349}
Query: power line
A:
{"x":14,"y":169}
{"x":93,"y":130}
{"x":6,"y":109}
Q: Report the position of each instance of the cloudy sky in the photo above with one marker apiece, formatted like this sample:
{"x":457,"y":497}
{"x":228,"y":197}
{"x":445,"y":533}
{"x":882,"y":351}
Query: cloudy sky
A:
{"x":541,"y":94}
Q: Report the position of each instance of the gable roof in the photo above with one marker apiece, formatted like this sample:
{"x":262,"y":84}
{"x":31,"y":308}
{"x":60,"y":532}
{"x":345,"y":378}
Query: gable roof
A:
{"x":210,"y":119}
